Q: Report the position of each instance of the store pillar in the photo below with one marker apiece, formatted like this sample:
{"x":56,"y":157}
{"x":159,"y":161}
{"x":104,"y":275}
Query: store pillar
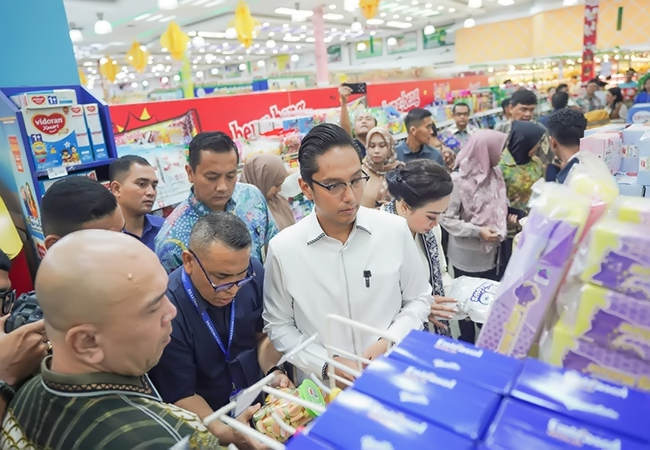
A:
{"x":36,"y":49}
{"x":320,"y":50}
{"x":589,"y":40}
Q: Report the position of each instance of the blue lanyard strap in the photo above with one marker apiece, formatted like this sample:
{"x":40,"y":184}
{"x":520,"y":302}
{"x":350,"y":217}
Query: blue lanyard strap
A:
{"x":189,"y":290}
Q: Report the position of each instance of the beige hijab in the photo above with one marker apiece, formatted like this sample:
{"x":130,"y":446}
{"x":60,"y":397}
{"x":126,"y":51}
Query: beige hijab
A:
{"x":265,"y":171}
{"x":380,"y":170}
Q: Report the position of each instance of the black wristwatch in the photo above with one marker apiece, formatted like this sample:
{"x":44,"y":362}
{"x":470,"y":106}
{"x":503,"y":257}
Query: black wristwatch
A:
{"x":7,"y":392}
{"x":275,"y":369}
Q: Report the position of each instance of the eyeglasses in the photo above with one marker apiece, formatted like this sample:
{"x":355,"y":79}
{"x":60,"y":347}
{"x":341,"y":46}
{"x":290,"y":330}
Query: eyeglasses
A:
{"x":461,"y":114}
{"x":226,"y":286}
{"x":7,"y":298}
{"x":337,"y":189}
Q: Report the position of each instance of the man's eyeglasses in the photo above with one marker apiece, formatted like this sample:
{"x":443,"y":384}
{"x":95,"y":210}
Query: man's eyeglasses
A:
{"x":7,"y":298}
{"x":337,"y":189}
{"x":461,"y":114}
{"x":225,"y":286}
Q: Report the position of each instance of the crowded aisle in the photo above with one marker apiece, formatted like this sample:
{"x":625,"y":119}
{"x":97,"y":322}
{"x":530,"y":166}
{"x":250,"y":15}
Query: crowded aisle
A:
{"x":312,"y":244}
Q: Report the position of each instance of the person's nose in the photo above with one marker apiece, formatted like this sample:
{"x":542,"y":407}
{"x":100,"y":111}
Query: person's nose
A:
{"x":221,"y":185}
{"x":151,"y":192}
{"x":348,"y":194}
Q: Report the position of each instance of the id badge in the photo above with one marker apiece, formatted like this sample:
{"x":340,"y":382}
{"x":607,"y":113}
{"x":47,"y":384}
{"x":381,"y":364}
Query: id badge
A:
{"x":233,"y":398}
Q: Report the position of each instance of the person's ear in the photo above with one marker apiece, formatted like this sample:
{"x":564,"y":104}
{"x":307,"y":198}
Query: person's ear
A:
{"x":190,"y":173}
{"x":116,"y":188}
{"x":306,"y":189}
{"x":50,"y":240}
{"x":188,"y":262}
{"x":84,"y":341}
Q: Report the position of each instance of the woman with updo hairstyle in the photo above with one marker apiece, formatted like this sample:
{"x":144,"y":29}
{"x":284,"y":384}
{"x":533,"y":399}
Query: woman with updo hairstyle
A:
{"x":421,"y":192}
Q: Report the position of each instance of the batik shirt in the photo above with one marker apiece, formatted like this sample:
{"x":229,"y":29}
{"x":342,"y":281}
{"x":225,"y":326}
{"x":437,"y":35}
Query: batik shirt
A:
{"x":247,"y":203}
{"x":455,"y":139}
{"x":97,"y":411}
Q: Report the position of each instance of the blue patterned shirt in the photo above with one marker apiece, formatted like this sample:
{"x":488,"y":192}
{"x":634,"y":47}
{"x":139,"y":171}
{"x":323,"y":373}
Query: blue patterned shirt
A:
{"x":247,"y":203}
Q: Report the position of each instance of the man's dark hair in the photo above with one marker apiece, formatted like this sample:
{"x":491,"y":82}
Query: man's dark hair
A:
{"x":5,"y":262}
{"x":214,"y":141}
{"x":73,"y":201}
{"x":595,"y":81}
{"x":631,"y":70}
{"x":562,"y":86}
{"x":461,"y":104}
{"x":505,"y":103}
{"x":508,"y":81}
{"x":415,"y":117}
{"x":567,"y":126}
{"x":222,"y":227}
{"x":523,"y":97}
{"x":419,"y":182}
{"x":121,"y":166}
{"x":560,"y":100}
{"x":319,"y":141}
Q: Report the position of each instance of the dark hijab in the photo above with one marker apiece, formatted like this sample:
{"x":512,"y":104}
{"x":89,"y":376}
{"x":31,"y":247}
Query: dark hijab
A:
{"x":524,"y":136}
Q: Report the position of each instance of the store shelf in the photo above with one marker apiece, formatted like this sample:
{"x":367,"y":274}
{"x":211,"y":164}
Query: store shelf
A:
{"x":78,"y":167}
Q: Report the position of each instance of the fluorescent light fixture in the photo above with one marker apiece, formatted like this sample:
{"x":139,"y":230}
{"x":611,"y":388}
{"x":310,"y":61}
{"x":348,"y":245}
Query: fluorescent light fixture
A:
{"x":506,"y":2}
{"x":156,"y":17}
{"x":374,"y":21}
{"x":213,"y":35}
{"x":475,"y":4}
{"x":167,"y":19}
{"x":167,"y":4}
{"x":331,"y":16}
{"x":395,"y":24}
{"x":469,"y":23}
{"x":142,"y":16}
{"x":291,"y":12}
{"x":310,"y":39}
{"x":290,"y":38}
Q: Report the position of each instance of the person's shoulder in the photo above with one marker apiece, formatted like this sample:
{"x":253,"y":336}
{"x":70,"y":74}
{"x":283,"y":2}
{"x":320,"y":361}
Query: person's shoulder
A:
{"x":293,"y":235}
{"x":175,"y":283}
{"x":381,"y":221}
{"x":246,"y":190}
{"x":156,"y":221}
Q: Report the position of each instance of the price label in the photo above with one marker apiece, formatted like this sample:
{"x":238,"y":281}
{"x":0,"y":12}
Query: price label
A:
{"x":57,"y":172}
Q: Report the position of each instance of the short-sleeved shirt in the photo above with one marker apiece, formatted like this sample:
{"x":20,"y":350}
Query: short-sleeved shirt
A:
{"x":152,"y":226}
{"x":247,"y":202}
{"x":405,"y":154}
{"x":193,"y":362}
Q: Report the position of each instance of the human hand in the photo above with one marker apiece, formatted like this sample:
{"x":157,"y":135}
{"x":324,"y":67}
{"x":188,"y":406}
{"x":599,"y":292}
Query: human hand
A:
{"x":440,"y":310}
{"x":248,"y":413}
{"x":21,"y":351}
{"x":489,"y":234}
{"x":376,"y":350}
{"x":344,"y":374}
{"x":344,"y":92}
{"x":513,"y":219}
{"x":281,"y":380}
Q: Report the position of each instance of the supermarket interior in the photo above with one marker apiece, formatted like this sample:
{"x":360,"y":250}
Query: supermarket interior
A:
{"x":484,"y":283}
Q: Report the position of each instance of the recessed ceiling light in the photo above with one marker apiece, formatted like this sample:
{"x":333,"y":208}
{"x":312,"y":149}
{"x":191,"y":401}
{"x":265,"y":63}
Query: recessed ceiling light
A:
{"x":142,"y":16}
{"x":414,"y":2}
{"x":222,"y":61}
{"x":452,"y":10}
{"x":213,"y":3}
{"x":328,"y":39}
{"x":227,"y":58}
{"x":372,"y":33}
{"x":303,"y":27}
{"x":285,"y":25}
{"x":374,"y":22}
{"x":342,"y":38}
{"x":156,"y":17}
{"x":260,"y":63}
{"x":396,"y":16}
{"x":295,"y":58}
{"x":271,"y":34}
{"x":275,"y":52}
{"x":475,"y":4}
{"x":195,"y":67}
{"x":262,"y":51}
{"x":330,"y":16}
{"x":506,"y":2}
{"x":391,"y":41}
{"x":332,"y":6}
{"x":298,"y":47}
{"x":440,"y":8}
{"x":333,"y":30}
{"x":248,"y":51}
{"x":382,"y":14}
{"x":428,"y":5}
{"x":408,"y":19}
{"x":396,"y":24}
{"x":240,"y":57}
{"x":266,"y":24}
{"x":167,"y":19}
{"x":214,"y":71}
{"x":256,"y":46}
{"x":469,"y":23}
{"x":302,"y":36}
{"x":310,"y":39}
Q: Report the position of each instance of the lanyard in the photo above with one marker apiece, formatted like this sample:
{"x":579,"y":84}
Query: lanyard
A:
{"x":189,"y":290}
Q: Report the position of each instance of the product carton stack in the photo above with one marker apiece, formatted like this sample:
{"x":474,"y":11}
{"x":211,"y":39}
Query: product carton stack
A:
{"x":604,"y":326}
{"x":431,"y":392}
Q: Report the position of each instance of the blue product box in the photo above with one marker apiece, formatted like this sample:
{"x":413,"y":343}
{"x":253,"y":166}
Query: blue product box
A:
{"x":421,"y":393}
{"x":307,"y":442}
{"x":629,"y":164}
{"x":522,"y":426}
{"x":357,"y":422}
{"x":606,"y":405}
{"x":483,"y":368}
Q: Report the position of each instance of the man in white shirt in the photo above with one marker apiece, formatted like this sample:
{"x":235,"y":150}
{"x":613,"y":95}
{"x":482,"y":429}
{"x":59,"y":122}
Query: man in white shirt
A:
{"x":344,"y":259}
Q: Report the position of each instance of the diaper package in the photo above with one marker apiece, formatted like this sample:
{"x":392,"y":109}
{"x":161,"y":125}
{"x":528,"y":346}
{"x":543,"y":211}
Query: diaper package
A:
{"x":535,"y":271}
{"x":473,"y":296}
{"x":632,"y":210}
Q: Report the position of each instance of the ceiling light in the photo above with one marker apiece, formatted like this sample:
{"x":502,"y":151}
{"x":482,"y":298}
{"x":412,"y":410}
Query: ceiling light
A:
{"x":303,"y":27}
{"x":408,"y":19}
{"x":265,"y":25}
{"x":142,"y":16}
{"x":270,"y":43}
{"x":199,"y":74}
{"x":242,"y":67}
{"x":214,"y":71}
{"x":469,"y":23}
{"x":198,"y":42}
{"x":440,"y":8}
{"x":332,"y":6}
{"x":295,"y":58}
{"x":361,"y":46}
{"x":227,"y":58}
{"x":156,"y":17}
{"x":145,"y":83}
{"x":475,"y":4}
{"x":271,"y":34}
{"x":396,"y":16}
{"x":356,"y":26}
{"x":167,"y":4}
{"x":275,"y":52}
{"x":262,"y":51}
{"x":342,"y":38}
{"x":350,"y":5}
{"x":224,"y":45}
{"x":298,"y":47}
{"x":399,"y":24}
{"x":134,"y":84}
{"x":289,"y":38}
{"x":391,"y":41}
{"x":223,"y":61}
{"x":372,"y":33}
{"x":164,"y":49}
{"x":302,"y":36}
{"x":285,"y":47}
{"x":231,"y":33}
{"x":382,"y":14}
{"x":89,"y":64}
{"x":374,"y":21}
{"x":177,"y":78}
{"x":75,"y":34}
{"x":414,"y":2}
{"x":102,"y":26}
{"x":213,"y":3}
{"x":285,"y":25}
{"x":506,"y":2}
{"x":167,"y":19}
{"x":260,"y":63}
{"x":428,"y":5}
{"x":164,"y":80}
{"x":429,"y":29}
{"x":256,"y":46}
{"x":452,"y":10}
{"x":310,"y":39}
{"x":328,"y":39}
{"x":195,"y":67}
{"x":569,"y":2}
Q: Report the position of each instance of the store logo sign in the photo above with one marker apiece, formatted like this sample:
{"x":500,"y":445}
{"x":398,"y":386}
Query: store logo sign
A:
{"x":51,"y":124}
{"x":91,"y":108}
{"x":640,"y":116}
{"x":76,"y":109}
{"x":247,"y":130}
{"x":405,"y":102}
{"x":39,"y":99}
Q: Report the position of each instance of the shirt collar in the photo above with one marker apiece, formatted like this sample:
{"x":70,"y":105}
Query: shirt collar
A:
{"x":96,"y":384}
{"x":315,"y":231}
{"x":203,"y":209}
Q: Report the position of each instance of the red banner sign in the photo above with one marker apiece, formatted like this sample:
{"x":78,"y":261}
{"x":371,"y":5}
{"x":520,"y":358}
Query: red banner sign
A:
{"x":589,"y":40}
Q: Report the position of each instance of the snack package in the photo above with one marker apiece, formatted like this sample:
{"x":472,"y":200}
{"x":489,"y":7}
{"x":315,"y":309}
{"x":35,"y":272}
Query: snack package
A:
{"x":606,"y":318}
{"x":535,"y":271}
{"x":474,"y":297}
{"x":291,"y":413}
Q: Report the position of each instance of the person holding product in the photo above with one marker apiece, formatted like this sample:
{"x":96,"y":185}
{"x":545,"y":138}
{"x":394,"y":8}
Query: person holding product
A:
{"x":217,"y":347}
{"x":343,"y":259}
{"x":422,"y":191}
{"x":212,"y":170}
{"x":419,"y":127}
{"x":476,"y":219}
{"x":448,"y":155}
{"x":614,"y":104}
{"x":380,"y":159}
{"x":134,"y":182}
{"x":644,"y":95}
{"x":457,"y":134}
{"x":363,"y":122}
{"x":107,"y":330}
{"x":267,"y":172}
{"x":565,"y":128}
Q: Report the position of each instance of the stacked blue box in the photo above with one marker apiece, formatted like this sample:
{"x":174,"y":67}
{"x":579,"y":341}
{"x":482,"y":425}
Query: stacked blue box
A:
{"x":435,"y":393}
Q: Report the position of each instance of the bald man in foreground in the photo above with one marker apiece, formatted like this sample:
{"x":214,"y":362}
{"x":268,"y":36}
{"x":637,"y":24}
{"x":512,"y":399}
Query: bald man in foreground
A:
{"x":108,"y":319}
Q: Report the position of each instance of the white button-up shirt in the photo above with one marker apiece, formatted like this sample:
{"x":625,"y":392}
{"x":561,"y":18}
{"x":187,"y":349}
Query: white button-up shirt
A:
{"x":310,"y":275}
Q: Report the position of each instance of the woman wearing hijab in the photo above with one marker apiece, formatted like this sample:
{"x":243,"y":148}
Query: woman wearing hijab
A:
{"x":268,"y":172}
{"x":477,"y":213}
{"x":380,"y":158}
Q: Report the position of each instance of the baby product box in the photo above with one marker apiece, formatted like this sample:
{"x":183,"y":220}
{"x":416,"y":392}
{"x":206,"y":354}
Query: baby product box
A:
{"x":95,"y":130}
{"x":644,"y":160}
{"x":51,"y":137}
{"x":84,"y":152}
{"x":45,"y":99}
{"x":522,"y":426}
{"x":628,"y":184}
{"x":631,"y":210}
{"x":307,"y":442}
{"x":457,"y":359}
{"x":607,"y":146}
{"x":420,"y":393}
{"x":355,"y":421}
{"x":571,"y":394}
{"x":610,"y":128}
{"x":629,"y":164}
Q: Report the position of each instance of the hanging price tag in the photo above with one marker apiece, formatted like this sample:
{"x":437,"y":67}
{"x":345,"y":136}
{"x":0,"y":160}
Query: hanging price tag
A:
{"x":57,"y":172}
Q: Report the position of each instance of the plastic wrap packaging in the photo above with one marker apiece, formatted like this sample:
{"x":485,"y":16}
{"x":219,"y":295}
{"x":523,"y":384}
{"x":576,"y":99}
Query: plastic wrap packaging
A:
{"x":292,"y":414}
{"x":537,"y":267}
{"x":473,"y":297}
